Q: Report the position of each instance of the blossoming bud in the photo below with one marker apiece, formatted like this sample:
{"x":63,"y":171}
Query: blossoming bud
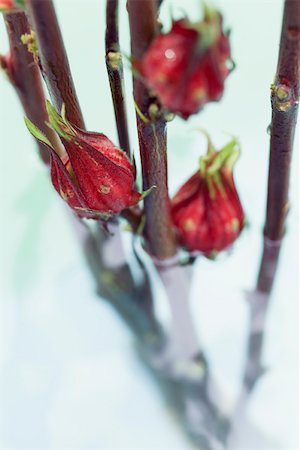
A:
{"x":206,"y":210}
{"x":94,"y":177}
{"x":186,"y":67}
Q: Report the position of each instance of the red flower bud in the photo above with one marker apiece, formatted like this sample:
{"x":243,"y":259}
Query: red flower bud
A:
{"x":10,"y":5}
{"x":186,"y":67}
{"x":206,"y":210}
{"x":94,"y":177}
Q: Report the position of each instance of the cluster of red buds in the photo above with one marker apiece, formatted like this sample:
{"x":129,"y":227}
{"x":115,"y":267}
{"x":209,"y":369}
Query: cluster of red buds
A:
{"x":186,"y":67}
{"x":94,"y":177}
{"x":207,"y":211}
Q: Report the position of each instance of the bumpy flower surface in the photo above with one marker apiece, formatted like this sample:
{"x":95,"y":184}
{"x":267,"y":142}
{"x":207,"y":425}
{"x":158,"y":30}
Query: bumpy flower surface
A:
{"x":186,"y":68}
{"x":94,"y":177}
{"x":207,"y":211}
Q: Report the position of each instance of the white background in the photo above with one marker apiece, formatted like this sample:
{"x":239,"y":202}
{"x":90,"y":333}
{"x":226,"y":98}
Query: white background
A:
{"x":69,"y":376}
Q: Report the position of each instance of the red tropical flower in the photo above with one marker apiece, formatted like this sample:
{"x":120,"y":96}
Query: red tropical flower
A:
{"x":206,"y":210}
{"x":187,"y":67}
{"x":94,"y":177}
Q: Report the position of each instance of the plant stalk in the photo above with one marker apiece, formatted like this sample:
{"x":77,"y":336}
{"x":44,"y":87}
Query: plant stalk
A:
{"x":53,"y":59}
{"x":114,"y":66}
{"x":152,"y":139}
{"x":24,"y":75}
{"x":284,"y":101}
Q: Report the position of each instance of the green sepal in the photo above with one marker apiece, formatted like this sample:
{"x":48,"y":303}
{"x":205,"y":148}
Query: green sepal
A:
{"x":210,"y":147}
{"x":211,"y":151}
{"x":226,"y":157}
{"x":145,"y":194}
{"x":211,"y":188}
{"x":208,"y":28}
{"x":37,"y":133}
{"x":202,"y":165}
{"x":218,"y":181}
{"x":211,"y":164}
{"x":140,"y":114}
{"x":63,"y":113}
{"x":59,"y":123}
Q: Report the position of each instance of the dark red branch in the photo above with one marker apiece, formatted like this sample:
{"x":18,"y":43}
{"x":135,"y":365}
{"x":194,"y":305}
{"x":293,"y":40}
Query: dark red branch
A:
{"x":54,"y":60}
{"x":114,"y":66}
{"x":25,"y":77}
{"x":152,"y":138}
{"x":284,"y":98}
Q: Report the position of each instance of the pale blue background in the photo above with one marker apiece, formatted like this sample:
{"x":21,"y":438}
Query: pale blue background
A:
{"x":69,"y":377}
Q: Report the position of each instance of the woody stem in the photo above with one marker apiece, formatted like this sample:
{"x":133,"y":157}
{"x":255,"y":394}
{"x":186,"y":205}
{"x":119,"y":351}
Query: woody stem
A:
{"x":24,"y":76}
{"x":54,"y":61}
{"x":114,"y":66}
{"x":152,"y":138}
{"x":284,"y":100}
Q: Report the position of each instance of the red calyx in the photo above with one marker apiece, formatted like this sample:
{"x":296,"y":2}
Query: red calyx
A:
{"x":6,"y":5}
{"x":10,"y":5}
{"x":94,"y":177}
{"x":187,"y":67}
{"x":207,"y":211}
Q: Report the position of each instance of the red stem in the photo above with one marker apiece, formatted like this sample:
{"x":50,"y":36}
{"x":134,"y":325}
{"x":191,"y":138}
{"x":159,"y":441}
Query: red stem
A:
{"x":24,"y":75}
{"x":54,"y":61}
{"x":284,"y":98}
{"x":114,"y":66}
{"x":152,"y":138}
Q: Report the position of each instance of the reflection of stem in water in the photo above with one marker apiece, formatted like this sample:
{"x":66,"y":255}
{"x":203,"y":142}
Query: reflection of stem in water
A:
{"x":177,"y":282}
{"x":115,"y":282}
{"x":258,"y":304}
{"x":184,"y":378}
{"x":180,"y":367}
